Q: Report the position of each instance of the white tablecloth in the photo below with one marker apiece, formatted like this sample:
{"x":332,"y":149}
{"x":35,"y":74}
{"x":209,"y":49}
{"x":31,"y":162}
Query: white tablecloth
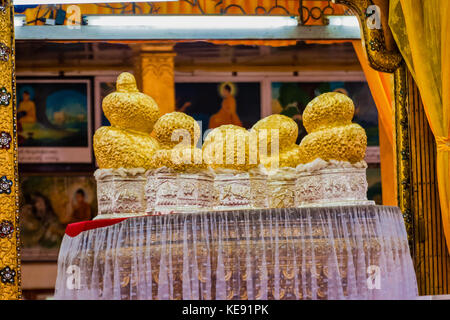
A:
{"x":354,"y":252}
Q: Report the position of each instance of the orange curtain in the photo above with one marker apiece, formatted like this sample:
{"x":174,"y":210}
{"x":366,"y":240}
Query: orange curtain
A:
{"x":380,"y":87}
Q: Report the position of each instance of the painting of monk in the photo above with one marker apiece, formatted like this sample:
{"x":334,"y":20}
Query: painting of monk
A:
{"x":54,"y":120}
{"x":227,"y":113}
{"x":27,"y":107}
{"x":218,"y":103}
{"x":47,"y":205}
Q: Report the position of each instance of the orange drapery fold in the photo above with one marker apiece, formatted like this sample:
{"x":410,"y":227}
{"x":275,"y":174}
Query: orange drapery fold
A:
{"x":380,"y":87}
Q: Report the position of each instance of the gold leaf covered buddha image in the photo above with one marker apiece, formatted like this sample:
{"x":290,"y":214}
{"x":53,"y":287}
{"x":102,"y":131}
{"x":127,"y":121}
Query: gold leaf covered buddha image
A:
{"x":152,"y":165}
{"x":334,"y":170}
{"x":127,"y":142}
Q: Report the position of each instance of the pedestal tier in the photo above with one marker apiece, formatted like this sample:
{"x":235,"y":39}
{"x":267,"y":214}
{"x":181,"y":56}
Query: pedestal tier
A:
{"x":337,"y":183}
{"x":232,"y":190}
{"x":120,"y":192}
{"x":354,"y":252}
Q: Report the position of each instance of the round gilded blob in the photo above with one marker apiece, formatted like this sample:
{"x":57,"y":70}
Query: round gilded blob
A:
{"x":230,"y":147}
{"x":120,"y":148}
{"x":290,"y":157}
{"x":128,"y":108}
{"x":330,"y":109}
{"x":176,"y":128}
{"x":180,"y":159}
{"x":344,"y":143}
{"x":287,"y":131}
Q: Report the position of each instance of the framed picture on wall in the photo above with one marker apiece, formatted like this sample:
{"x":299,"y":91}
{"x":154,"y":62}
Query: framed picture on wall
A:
{"x":104,"y":85}
{"x":54,"y":120}
{"x":47,"y":204}
{"x":290,"y":98}
{"x":216,"y":101}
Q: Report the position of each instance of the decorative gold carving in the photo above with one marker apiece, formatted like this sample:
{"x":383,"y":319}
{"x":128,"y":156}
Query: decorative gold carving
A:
{"x":380,"y":56}
{"x":10,"y":284}
{"x":402,"y":149}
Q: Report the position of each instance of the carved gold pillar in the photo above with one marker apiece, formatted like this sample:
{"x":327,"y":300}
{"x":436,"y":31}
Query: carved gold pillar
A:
{"x":9,"y":188}
{"x":155,"y":73}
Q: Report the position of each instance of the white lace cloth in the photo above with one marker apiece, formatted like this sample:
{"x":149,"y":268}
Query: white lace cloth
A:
{"x":355,"y":252}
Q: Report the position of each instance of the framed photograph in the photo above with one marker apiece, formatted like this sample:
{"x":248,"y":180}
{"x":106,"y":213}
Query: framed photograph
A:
{"x":291,"y":97}
{"x":216,"y":101}
{"x":47,"y":205}
{"x":54,"y":120}
{"x":104,"y":85}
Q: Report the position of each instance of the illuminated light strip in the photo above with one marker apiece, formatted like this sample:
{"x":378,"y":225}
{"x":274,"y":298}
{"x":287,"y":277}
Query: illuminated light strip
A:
{"x":193,"y":21}
{"x":345,"y":21}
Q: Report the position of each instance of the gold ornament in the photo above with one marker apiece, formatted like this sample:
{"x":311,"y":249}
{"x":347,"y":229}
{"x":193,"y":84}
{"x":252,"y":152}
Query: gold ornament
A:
{"x":230,"y":147}
{"x":344,"y":143}
{"x":287,"y":131}
{"x":290,"y":157}
{"x":10,"y":244}
{"x":180,"y":159}
{"x":331,"y":134}
{"x":328,"y":110}
{"x":127,"y":108}
{"x":119,"y":148}
{"x":171,"y":129}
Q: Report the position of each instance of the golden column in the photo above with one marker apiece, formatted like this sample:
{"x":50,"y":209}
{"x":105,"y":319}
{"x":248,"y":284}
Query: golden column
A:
{"x":9,"y":189}
{"x":154,"y":69}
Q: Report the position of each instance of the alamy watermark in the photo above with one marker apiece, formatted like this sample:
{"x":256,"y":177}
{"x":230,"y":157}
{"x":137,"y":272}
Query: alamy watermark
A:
{"x":373,"y":14}
{"x":230,"y":147}
{"x":374,"y":279}
{"x":73,"y":281}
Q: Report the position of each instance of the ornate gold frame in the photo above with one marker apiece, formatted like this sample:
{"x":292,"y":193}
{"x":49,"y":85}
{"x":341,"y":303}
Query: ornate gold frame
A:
{"x":382,"y":55}
{"x":381,"y":50}
{"x":10,"y":286}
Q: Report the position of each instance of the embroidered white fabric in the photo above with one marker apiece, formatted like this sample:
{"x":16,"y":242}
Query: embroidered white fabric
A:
{"x":353,"y":252}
